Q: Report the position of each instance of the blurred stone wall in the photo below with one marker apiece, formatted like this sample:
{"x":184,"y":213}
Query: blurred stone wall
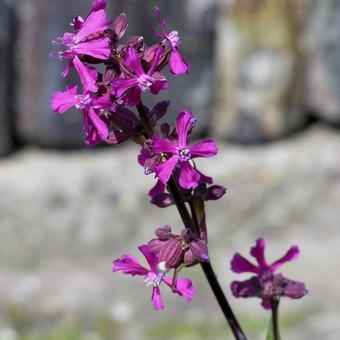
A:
{"x":259,"y":67}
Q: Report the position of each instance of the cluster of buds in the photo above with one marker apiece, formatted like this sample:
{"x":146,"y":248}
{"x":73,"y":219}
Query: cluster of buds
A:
{"x":113,"y":76}
{"x":177,"y":250}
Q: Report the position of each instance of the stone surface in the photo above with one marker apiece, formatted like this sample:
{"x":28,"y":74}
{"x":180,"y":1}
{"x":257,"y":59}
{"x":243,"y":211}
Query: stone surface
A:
{"x":6,"y":71}
{"x":258,"y":68}
{"x":65,"y":216}
{"x":323,"y":63}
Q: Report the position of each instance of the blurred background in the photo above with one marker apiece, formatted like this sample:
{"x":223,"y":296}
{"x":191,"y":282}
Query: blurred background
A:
{"x":265,"y":81}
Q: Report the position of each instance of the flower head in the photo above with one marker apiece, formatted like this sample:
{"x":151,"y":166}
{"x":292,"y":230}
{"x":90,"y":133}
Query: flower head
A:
{"x":154,"y":276}
{"x":88,"y":38}
{"x":136,"y":80}
{"x":179,"y":153}
{"x":95,"y":122}
{"x":266,"y":284}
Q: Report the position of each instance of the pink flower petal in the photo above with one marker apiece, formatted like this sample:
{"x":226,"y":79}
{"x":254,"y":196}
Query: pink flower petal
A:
{"x":258,"y":252}
{"x":188,"y":177}
{"x":241,"y":265}
{"x":143,"y":156}
{"x":97,"y":5}
{"x":99,"y":125}
{"x":86,"y":76}
{"x":160,"y":145}
{"x":63,"y":101}
{"x":183,"y":287}
{"x":92,"y":137}
{"x":97,"y":48}
{"x":158,"y":86}
{"x":128,"y":264}
{"x":177,"y":64}
{"x":183,"y":124}
{"x":67,"y":69}
{"x":164,"y":170}
{"x":132,"y":60}
{"x":95,"y":22}
{"x":242,"y":289}
{"x":150,"y":257}
{"x":157,"y":299}
{"x":120,"y":85}
{"x":290,"y":255}
{"x":207,"y":148}
{"x":133,"y":98}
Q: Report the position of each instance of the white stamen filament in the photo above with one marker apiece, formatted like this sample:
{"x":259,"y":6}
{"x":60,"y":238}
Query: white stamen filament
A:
{"x":156,"y":280}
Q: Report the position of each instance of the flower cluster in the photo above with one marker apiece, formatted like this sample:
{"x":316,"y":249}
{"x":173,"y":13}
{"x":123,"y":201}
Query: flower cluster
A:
{"x":105,"y":97}
{"x":130,"y":69}
{"x":266,"y":284}
{"x":113,"y":75}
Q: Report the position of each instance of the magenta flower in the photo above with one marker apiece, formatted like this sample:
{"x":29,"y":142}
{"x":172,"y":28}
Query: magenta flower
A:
{"x":179,"y":153}
{"x":88,"y":38}
{"x":266,"y":284}
{"x":239,"y":264}
{"x":177,"y":64}
{"x":154,"y":276}
{"x":95,"y":125}
{"x":136,"y":80}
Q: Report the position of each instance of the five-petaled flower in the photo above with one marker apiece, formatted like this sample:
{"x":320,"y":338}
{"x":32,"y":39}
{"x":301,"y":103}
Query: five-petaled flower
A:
{"x":88,"y":37}
{"x":154,"y":276}
{"x":95,"y":122}
{"x":266,"y":284}
{"x":136,"y":80}
{"x":179,"y":153}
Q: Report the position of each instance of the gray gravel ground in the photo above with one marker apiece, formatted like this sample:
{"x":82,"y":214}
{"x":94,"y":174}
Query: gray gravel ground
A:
{"x":65,"y":215}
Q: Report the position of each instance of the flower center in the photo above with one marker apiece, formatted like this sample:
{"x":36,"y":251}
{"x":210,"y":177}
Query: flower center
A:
{"x":185,"y":154}
{"x":83,"y":101}
{"x":155,"y":279}
{"x":145,"y":81}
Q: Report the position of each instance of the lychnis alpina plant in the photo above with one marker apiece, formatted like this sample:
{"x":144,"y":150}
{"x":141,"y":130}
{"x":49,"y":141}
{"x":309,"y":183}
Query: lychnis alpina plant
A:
{"x":106,"y":96}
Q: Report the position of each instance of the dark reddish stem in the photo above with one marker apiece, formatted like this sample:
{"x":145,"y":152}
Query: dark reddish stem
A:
{"x":191,"y":222}
{"x":275,"y":318}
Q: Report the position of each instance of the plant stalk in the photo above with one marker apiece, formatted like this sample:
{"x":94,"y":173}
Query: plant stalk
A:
{"x":275,"y":318}
{"x":191,"y":222}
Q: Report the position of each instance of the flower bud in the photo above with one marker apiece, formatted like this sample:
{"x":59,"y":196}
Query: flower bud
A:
{"x":215,"y":192}
{"x":164,"y":233}
{"x":162,"y":200}
{"x":120,"y":25}
{"x":159,"y":110}
{"x":172,"y":253}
